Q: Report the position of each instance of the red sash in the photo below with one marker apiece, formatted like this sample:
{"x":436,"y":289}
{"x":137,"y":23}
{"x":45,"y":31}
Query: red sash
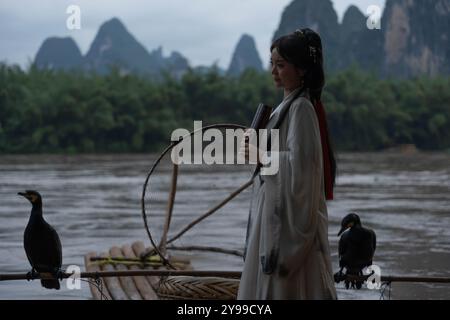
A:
{"x":320,"y":112}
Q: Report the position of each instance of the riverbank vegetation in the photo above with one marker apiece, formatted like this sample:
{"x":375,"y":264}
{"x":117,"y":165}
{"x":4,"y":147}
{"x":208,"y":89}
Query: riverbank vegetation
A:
{"x":44,"y":111}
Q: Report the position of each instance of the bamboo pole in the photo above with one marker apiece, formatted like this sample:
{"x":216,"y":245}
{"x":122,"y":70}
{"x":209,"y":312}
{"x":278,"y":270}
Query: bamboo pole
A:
{"x":211,"y":211}
{"x":127,"y":283}
{"x":403,"y":279}
{"x":141,"y":282}
{"x":139,"y":249}
{"x":113,"y":283}
{"x":170,"y":202}
{"x":198,"y":273}
{"x":127,"y":273}
{"x":210,"y":249}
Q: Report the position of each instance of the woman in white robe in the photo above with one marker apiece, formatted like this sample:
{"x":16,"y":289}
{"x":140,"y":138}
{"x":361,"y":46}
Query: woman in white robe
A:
{"x":287,"y":252}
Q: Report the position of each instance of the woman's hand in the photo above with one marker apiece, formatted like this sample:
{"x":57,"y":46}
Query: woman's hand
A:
{"x":248,"y":147}
{"x":244,"y":147}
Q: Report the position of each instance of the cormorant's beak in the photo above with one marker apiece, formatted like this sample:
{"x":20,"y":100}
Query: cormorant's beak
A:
{"x":23,"y":194}
{"x":342,"y":230}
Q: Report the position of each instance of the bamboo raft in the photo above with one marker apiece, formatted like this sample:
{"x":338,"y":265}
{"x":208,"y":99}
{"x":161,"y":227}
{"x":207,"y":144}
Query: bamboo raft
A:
{"x":136,"y":257}
{"x":153,"y":287}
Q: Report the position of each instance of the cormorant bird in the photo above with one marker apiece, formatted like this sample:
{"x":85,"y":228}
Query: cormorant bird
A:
{"x":41,"y":243}
{"x":356,"y":249}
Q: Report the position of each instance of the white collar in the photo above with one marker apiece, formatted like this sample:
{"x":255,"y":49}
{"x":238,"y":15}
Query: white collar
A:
{"x":291,"y":94}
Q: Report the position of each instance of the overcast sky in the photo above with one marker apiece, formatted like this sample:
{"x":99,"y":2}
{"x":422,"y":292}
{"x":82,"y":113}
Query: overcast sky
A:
{"x":204,"y":31}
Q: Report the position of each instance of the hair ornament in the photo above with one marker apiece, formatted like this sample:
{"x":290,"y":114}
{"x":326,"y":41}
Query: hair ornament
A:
{"x":313,"y":53}
{"x":299,"y":33}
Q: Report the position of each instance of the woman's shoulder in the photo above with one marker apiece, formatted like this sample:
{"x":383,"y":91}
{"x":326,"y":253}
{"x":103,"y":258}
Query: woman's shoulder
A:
{"x":301,"y":104}
{"x":302,"y":113}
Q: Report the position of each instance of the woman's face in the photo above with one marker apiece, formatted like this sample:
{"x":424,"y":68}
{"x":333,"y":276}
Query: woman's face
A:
{"x":285,"y":74}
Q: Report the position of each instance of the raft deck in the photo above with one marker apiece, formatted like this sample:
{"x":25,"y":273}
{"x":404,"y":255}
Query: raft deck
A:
{"x":152,"y":287}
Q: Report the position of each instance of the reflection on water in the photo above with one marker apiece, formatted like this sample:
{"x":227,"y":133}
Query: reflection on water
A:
{"x":94,"y":203}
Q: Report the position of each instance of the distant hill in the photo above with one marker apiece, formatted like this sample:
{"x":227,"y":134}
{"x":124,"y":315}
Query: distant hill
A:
{"x":59,"y":53}
{"x":245,"y":56}
{"x":413,"y":39}
{"x":113,"y":46}
{"x":358,"y":44}
{"x":416,"y":37}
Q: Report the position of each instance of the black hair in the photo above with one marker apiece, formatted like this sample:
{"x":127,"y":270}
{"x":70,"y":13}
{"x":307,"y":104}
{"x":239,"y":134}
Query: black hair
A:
{"x":303,"y":49}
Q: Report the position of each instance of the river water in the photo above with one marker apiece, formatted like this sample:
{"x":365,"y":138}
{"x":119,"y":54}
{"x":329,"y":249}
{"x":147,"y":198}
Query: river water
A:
{"x":93,"y":201}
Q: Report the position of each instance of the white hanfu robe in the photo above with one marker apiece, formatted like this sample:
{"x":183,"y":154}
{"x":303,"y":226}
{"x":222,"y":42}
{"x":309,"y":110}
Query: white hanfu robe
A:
{"x":287,"y":251}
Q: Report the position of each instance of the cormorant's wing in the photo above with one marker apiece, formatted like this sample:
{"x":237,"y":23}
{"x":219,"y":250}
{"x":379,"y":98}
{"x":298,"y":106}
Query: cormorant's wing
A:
{"x":55,"y":248}
{"x":29,"y":257}
{"x":27,"y":245}
{"x":374,"y":239}
{"x":342,"y":248}
{"x":343,"y":243}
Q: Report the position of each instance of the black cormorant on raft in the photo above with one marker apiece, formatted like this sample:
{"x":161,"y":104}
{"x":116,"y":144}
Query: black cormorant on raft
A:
{"x":41,"y":243}
{"x":356,"y":249}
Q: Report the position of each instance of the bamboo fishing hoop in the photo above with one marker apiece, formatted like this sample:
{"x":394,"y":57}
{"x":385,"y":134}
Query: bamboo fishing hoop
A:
{"x":160,"y":249}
